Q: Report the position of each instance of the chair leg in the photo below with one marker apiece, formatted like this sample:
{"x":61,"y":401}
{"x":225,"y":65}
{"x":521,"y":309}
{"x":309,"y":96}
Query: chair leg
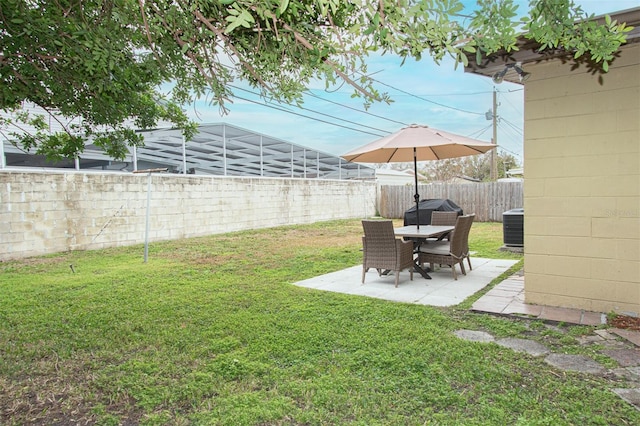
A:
{"x":469,"y":261}
{"x":397,"y":273}
{"x":455,"y":274}
{"x":364,"y":272}
{"x":462,"y":267}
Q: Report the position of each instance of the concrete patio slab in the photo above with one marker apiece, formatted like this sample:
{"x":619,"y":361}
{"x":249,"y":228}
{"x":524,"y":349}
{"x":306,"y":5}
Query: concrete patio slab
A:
{"x":441,"y":290}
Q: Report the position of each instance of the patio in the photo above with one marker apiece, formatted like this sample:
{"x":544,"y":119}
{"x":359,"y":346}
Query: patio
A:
{"x":506,"y":298}
{"x":441,"y":290}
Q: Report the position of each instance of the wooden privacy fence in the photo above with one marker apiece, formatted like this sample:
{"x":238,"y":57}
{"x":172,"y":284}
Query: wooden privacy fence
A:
{"x":488,"y":200}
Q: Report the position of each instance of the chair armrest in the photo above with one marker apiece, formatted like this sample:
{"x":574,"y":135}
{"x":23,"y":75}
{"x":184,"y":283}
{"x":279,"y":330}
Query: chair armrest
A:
{"x":404,"y":249}
{"x":404,"y":242}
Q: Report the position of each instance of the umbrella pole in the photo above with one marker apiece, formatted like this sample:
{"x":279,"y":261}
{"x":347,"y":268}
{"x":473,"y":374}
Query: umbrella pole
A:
{"x":416,"y":196}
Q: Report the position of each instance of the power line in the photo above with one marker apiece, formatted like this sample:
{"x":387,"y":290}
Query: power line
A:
{"x":436,"y":95}
{"x":426,"y":100}
{"x":306,"y":116}
{"x":513,"y":126}
{"x":357,"y":110}
{"x":510,"y":152}
{"x":309,"y":93}
{"x":506,"y":99}
{"x":480,"y":132}
{"x":448,"y":95}
{"x":509,"y":130}
{"x":385,"y":132}
{"x":509,"y":133}
{"x":307,"y":109}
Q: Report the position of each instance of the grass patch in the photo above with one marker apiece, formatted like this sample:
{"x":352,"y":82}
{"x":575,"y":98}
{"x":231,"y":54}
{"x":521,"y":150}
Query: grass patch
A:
{"x":211,"y":331}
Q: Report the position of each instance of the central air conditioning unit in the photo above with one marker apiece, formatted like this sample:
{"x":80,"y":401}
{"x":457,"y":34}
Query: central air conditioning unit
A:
{"x":513,"y":227}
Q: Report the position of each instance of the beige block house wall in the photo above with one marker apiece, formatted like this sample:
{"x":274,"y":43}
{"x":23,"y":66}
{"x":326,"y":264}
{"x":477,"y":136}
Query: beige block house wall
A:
{"x":582,"y":185}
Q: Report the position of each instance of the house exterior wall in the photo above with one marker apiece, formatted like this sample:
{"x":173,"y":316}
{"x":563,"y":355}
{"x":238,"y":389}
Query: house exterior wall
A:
{"x":582,"y":189}
{"x":55,"y":211}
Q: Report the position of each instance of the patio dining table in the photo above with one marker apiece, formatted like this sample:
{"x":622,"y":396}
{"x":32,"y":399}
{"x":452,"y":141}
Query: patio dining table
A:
{"x":420,"y":235}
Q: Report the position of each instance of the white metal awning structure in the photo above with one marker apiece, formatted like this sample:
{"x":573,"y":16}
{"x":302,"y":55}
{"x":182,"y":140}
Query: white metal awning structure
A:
{"x":223,"y":149}
{"x":217,"y":149}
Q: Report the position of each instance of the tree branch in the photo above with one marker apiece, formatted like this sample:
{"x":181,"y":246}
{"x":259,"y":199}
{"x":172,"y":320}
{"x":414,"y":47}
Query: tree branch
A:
{"x":329,"y":62}
{"x":181,"y":43}
{"x":230,"y":46}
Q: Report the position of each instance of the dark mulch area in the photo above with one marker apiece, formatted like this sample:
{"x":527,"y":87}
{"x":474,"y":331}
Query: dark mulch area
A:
{"x":627,"y":322}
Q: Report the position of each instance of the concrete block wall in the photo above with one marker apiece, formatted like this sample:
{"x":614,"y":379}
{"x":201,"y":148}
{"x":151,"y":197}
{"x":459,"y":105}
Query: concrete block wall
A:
{"x":53,"y":211}
{"x":582,"y":186}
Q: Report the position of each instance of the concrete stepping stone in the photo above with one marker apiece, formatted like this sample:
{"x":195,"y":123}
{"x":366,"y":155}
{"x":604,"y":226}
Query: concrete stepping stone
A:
{"x":631,"y":374}
{"x":586,"y":340}
{"x":605,"y":334}
{"x":579,"y":363}
{"x":474,"y":336}
{"x":630,"y":335}
{"x":523,"y":345}
{"x":625,"y":357}
{"x":632,"y":396}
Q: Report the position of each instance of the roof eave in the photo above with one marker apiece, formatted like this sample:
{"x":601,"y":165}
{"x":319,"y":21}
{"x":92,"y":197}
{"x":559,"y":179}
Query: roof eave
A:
{"x":529,"y":50}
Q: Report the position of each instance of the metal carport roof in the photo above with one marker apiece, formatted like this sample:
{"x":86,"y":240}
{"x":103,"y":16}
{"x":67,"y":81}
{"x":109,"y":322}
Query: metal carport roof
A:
{"x":223,"y":149}
{"x":216,"y":149}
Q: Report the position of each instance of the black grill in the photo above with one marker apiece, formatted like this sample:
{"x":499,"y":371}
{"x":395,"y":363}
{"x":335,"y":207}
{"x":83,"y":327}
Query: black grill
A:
{"x":428,"y":206}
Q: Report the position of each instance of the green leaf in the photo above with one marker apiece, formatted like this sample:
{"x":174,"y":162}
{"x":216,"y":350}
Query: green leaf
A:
{"x":283,"y":6}
{"x":234,"y":23}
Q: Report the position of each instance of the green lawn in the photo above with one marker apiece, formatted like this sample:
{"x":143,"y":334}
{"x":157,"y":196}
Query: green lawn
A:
{"x":211,"y":331}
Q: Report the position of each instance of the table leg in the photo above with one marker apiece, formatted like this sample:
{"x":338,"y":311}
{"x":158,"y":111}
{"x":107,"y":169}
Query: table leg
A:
{"x":417,"y":268}
{"x":422,"y":271}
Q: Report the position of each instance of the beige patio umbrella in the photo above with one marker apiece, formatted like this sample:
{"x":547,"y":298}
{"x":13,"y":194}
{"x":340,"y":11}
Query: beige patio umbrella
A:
{"x":417,"y":143}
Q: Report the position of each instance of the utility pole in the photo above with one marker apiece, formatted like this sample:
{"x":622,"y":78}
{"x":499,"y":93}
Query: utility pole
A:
{"x":494,"y":154}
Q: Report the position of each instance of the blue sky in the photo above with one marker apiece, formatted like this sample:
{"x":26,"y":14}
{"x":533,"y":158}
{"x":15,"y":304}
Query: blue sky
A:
{"x":424,"y":93}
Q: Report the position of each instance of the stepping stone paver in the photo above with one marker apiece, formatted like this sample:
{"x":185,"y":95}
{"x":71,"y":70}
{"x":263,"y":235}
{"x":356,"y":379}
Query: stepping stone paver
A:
{"x":621,"y":345}
{"x":584,"y":340}
{"x":475,"y":336}
{"x":632,"y":396}
{"x":631,"y":374}
{"x":523,"y":345}
{"x":635,"y":371}
{"x":579,"y":363}
{"x":630,"y":335}
{"x":605,"y":334}
{"x":625,"y":357}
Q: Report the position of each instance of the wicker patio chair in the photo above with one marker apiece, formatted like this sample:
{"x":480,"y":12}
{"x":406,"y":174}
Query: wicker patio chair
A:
{"x":452,"y":252}
{"x":383,"y":251}
{"x":439,"y":218}
{"x":465,"y":250}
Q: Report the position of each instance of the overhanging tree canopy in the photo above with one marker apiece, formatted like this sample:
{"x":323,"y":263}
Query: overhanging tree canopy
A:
{"x":103,"y":61}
